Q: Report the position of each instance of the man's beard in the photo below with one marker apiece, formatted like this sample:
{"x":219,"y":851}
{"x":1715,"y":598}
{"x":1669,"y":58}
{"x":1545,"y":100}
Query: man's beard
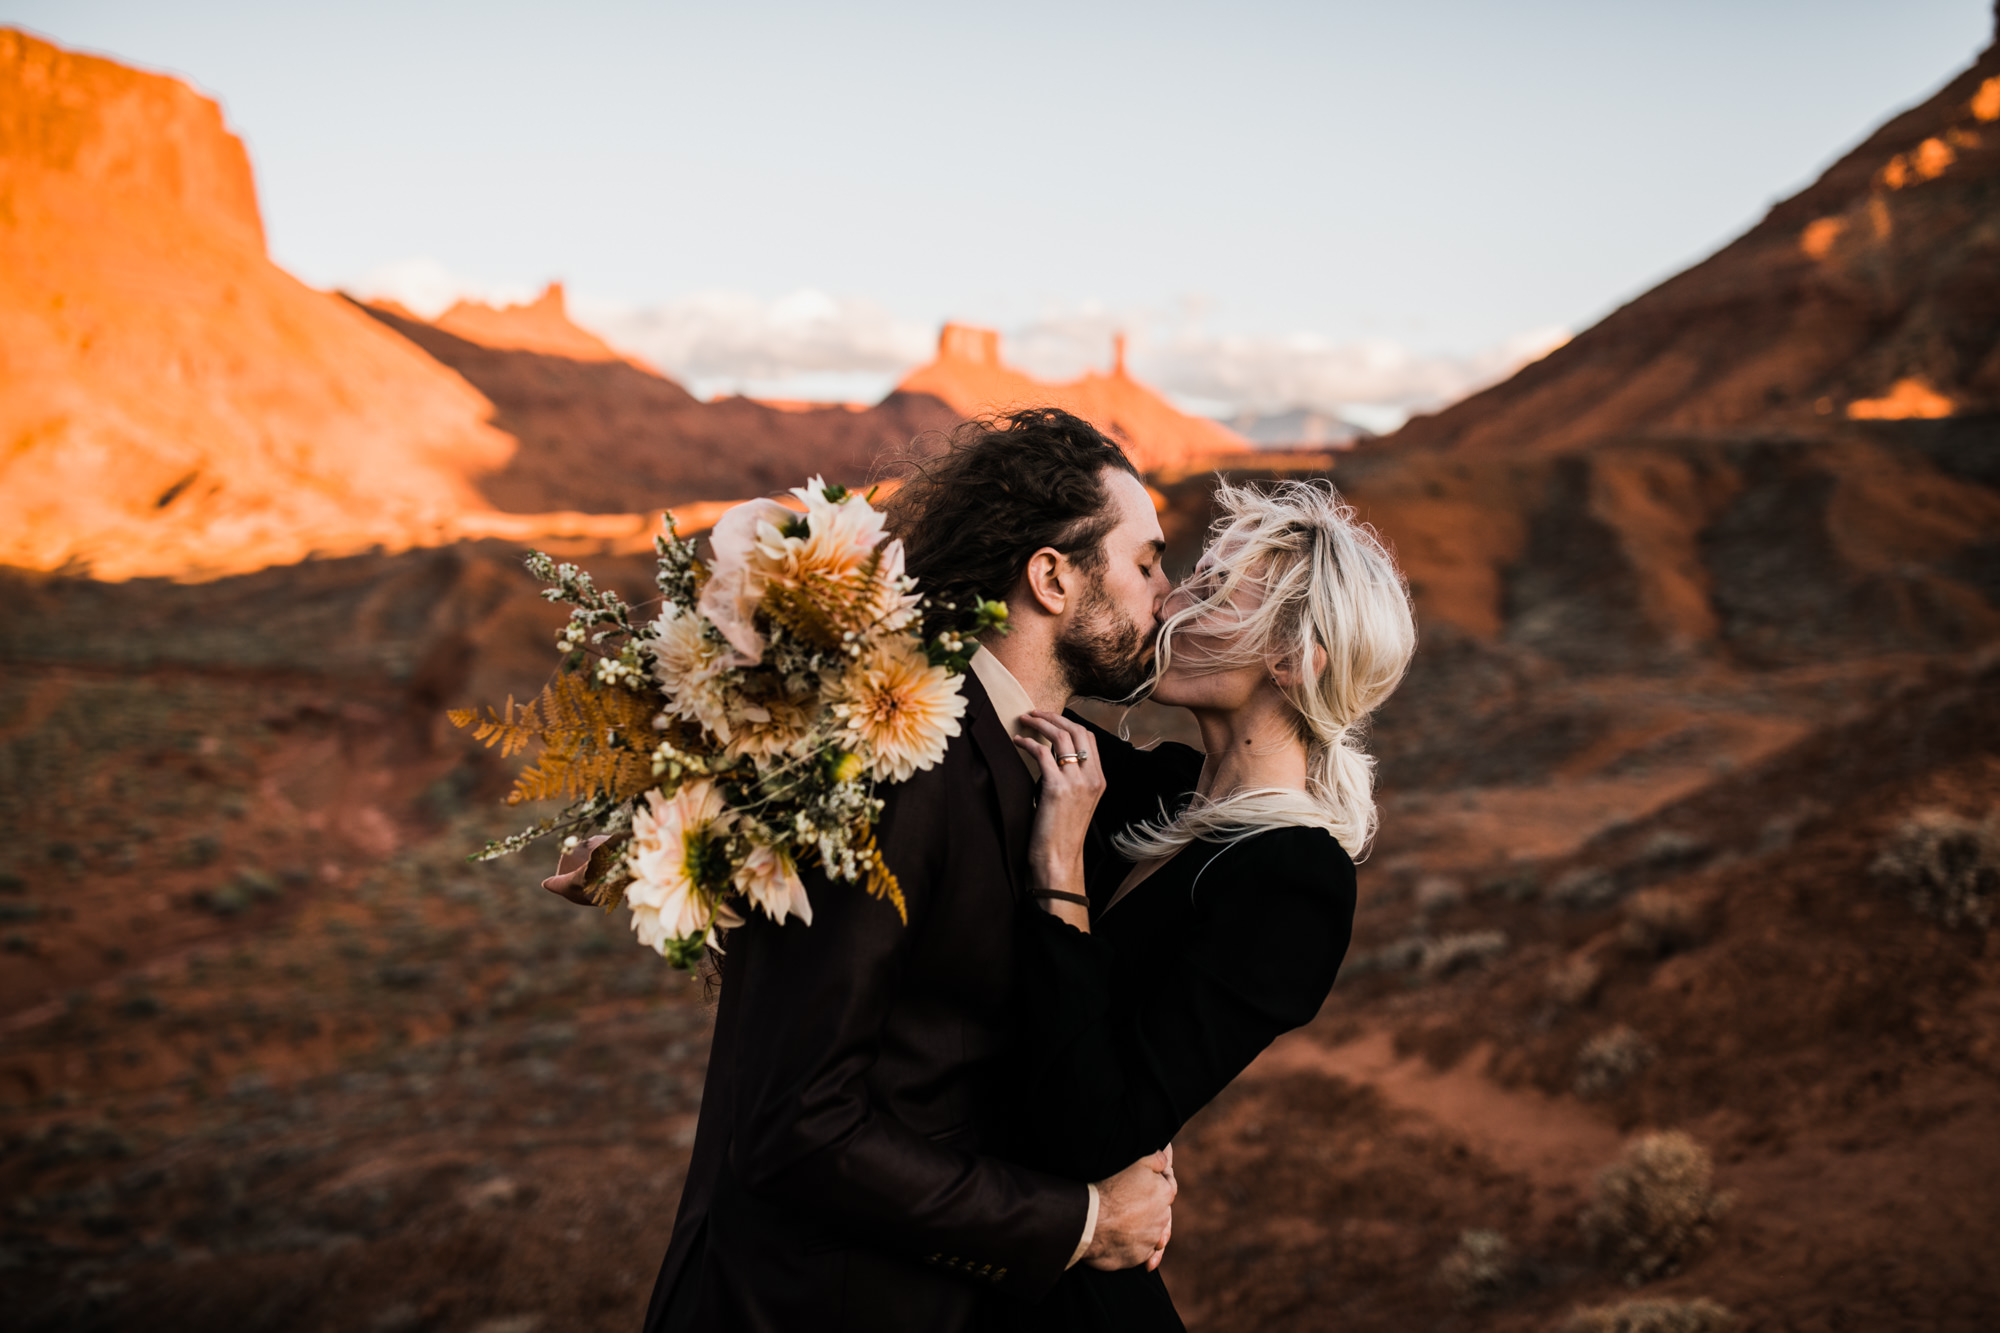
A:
{"x":1104,"y":655}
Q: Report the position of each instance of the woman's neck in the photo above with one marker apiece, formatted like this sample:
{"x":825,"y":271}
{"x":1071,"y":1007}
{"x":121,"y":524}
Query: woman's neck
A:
{"x":1254,"y":746}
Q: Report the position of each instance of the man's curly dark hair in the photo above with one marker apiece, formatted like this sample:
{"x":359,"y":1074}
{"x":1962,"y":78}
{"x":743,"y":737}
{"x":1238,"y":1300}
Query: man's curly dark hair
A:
{"x":1003,"y":488}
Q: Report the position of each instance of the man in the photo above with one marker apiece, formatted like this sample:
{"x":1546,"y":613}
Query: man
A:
{"x":841,"y":1176}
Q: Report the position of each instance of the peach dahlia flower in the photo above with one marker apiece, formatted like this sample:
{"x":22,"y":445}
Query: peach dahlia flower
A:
{"x":900,"y":710}
{"x":669,"y":835}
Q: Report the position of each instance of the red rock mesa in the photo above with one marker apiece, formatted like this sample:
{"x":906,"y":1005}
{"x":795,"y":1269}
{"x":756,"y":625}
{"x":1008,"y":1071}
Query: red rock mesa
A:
{"x":969,"y":375}
{"x":542,"y":325}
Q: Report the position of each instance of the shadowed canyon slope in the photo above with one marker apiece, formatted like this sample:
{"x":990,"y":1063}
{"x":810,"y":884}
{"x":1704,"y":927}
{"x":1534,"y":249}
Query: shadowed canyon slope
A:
{"x":600,"y":433}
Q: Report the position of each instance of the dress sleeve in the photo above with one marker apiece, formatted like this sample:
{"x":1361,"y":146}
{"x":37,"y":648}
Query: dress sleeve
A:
{"x":1116,"y":1071}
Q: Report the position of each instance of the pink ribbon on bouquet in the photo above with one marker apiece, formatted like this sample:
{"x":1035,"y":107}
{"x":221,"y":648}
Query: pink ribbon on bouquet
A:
{"x":572,"y":865}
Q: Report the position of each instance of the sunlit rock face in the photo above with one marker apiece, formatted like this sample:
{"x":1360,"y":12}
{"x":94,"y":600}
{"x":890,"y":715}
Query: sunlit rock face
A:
{"x":171,"y":402}
{"x":969,"y":375}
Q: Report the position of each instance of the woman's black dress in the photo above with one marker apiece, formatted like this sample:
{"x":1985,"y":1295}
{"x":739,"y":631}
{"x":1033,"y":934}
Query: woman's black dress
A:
{"x":1131,"y":1029}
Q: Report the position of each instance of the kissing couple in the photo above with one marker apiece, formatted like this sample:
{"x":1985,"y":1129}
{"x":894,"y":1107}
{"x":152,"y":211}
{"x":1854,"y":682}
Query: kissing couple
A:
{"x":966,"y":1122}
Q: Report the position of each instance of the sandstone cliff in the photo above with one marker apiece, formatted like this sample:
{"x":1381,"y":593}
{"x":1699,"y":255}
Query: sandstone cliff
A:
{"x":171,"y":401}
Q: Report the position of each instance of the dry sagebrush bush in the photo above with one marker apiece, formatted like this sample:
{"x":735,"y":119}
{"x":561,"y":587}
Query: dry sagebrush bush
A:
{"x":1696,"y":1316}
{"x":1574,"y":980}
{"x":1454,"y":953}
{"x":1482,"y":1269}
{"x":1659,"y":922}
{"x":1656,"y":1207}
{"x":1946,"y":865}
{"x":1610,"y":1059}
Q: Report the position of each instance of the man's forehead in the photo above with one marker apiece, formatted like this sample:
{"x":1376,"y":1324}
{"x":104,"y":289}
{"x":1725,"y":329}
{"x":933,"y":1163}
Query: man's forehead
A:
{"x":1138,"y":520}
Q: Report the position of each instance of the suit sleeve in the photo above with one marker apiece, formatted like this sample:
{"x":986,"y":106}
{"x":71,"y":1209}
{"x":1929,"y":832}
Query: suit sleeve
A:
{"x":1116,"y":1074}
{"x":814,"y":1000}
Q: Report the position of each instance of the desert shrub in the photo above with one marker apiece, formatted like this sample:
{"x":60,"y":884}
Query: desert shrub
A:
{"x":1608,"y":1060}
{"x":1659,"y":922}
{"x":1435,"y":893}
{"x":1482,"y":1269}
{"x":1670,"y":849}
{"x":1398,"y":955}
{"x":1574,"y":980}
{"x":1586,"y":888}
{"x":1696,"y":1316}
{"x":1656,"y":1207}
{"x":1454,"y":953}
{"x":1946,"y":865}
{"x":1432,"y":957}
{"x":1516,"y":885}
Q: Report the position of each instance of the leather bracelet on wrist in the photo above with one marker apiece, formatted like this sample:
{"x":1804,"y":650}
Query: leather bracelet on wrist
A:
{"x":1061,"y":897}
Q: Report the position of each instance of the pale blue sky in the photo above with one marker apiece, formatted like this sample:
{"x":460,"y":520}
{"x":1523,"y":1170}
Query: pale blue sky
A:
{"x":1441,"y":173}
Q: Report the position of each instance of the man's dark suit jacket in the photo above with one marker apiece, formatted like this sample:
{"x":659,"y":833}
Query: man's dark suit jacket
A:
{"x":839,"y":1177}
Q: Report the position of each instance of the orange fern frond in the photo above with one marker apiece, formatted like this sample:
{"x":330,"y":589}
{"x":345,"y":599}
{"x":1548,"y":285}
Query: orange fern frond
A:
{"x":882,"y":880}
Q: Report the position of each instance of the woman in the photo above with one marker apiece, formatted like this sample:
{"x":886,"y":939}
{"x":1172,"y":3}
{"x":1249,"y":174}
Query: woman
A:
{"x":1207,"y":908}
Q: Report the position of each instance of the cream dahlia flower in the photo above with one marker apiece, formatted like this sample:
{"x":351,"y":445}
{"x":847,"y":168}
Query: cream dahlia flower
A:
{"x":692,"y":669}
{"x":900,"y":711}
{"x":670,"y":836}
{"x":769,"y":882}
{"x":767,"y":730}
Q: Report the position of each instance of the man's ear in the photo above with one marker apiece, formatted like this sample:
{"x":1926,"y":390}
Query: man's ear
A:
{"x":1044,"y":580}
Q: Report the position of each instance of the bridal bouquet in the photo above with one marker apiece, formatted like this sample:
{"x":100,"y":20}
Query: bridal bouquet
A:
{"x":711,"y":752}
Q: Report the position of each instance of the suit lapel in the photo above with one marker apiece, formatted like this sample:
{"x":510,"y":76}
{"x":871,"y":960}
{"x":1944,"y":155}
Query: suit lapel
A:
{"x":1013,"y":789}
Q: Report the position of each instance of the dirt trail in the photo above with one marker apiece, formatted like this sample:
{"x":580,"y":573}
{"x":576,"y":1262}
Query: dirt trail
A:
{"x":1553,"y":1142}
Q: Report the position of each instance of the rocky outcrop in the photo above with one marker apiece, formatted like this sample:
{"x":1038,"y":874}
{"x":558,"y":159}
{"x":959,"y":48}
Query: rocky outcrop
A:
{"x":541,"y":325}
{"x":970,"y":377}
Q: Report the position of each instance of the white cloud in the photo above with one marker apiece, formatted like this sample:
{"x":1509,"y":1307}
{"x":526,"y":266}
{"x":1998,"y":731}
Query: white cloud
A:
{"x":812,"y":345}
{"x":803,"y":345}
{"x":1369,"y":382}
{"x":427,"y":288}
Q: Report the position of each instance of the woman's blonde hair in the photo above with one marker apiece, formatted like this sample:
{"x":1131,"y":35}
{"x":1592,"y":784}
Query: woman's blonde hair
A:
{"x":1335,"y":611}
